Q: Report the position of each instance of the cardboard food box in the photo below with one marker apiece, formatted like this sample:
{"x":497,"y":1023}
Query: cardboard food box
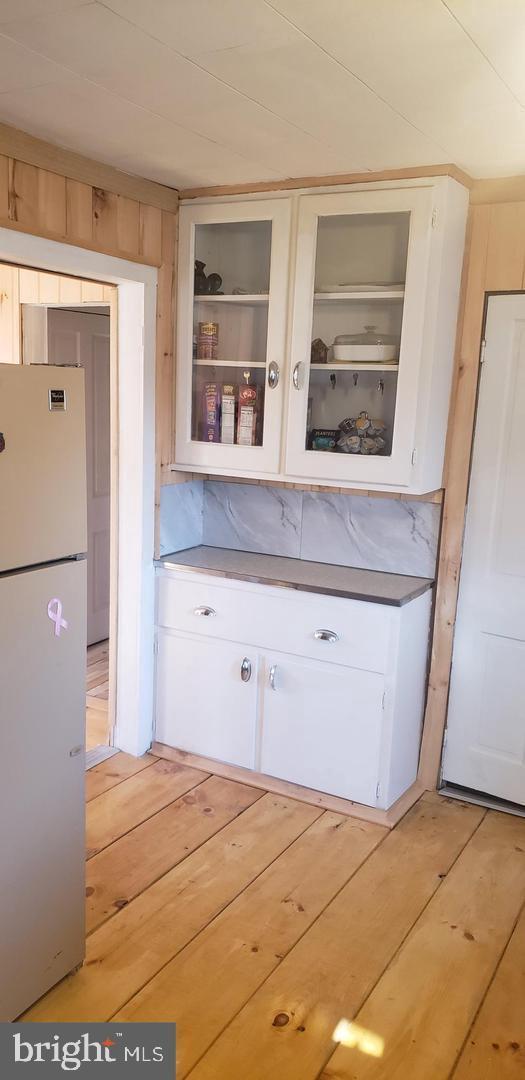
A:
{"x":228,"y":400}
{"x":247,"y":415}
{"x":211,"y":413}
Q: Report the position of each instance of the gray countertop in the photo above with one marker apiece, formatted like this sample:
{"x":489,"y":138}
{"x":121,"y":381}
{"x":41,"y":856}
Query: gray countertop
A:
{"x":350,"y":582}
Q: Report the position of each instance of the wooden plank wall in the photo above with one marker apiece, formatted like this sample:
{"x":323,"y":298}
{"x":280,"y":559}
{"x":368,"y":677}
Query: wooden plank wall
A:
{"x":61,"y":207}
{"x":494,"y":262}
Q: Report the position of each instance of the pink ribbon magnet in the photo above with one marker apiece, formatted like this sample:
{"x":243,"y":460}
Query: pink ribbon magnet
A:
{"x":54,"y":612}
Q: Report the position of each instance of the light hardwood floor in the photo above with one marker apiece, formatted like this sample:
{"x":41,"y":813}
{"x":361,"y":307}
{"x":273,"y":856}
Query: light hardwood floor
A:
{"x":97,"y":689}
{"x":293,"y":943}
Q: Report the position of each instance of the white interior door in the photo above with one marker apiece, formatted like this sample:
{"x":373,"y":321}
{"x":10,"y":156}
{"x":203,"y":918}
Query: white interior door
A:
{"x":485,"y":746}
{"x":82,"y":338}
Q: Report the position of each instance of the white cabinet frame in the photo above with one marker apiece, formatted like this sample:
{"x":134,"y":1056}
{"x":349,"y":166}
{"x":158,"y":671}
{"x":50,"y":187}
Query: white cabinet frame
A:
{"x":394,"y":469}
{"x":438,"y":207}
{"x":232,"y":458}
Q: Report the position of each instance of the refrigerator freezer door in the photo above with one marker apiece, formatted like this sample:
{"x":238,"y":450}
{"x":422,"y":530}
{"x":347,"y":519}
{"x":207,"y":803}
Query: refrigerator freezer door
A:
{"x":42,"y":718}
{"x":42,"y":464}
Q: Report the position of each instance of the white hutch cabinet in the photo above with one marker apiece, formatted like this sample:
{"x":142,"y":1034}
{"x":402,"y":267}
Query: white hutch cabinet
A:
{"x":315,"y":339}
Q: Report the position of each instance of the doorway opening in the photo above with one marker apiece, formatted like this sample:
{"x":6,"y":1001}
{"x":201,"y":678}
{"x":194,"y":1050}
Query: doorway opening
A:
{"x":63,"y":321}
{"x":484,"y":750}
{"x":133,"y":286}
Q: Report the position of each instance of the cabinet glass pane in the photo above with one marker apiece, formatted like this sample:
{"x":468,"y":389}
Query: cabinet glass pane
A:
{"x":230,"y":330}
{"x":359,"y":286}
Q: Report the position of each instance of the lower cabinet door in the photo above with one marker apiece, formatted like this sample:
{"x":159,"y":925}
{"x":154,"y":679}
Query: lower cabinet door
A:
{"x":207,"y":697}
{"x":322,"y":727}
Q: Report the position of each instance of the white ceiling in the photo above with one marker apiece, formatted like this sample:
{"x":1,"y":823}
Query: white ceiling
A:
{"x":192,"y":92}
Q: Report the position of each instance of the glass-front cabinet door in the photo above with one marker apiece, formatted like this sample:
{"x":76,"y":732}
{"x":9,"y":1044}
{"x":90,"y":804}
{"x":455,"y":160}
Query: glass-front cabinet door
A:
{"x":359,"y":306}
{"x":233,"y":275}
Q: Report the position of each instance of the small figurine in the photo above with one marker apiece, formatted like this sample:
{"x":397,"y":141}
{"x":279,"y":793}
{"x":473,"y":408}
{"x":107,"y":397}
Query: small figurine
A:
{"x":362,"y":423}
{"x":377,"y":427}
{"x":200,"y":282}
{"x":348,"y":426}
{"x":214,"y":282}
{"x":349,"y":444}
{"x":319,"y":352}
{"x":203,"y":285}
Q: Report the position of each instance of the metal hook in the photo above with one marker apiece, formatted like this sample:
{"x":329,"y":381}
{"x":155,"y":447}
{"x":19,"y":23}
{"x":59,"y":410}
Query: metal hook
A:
{"x":356,"y":378}
{"x":381,"y":386}
{"x":333,"y":380}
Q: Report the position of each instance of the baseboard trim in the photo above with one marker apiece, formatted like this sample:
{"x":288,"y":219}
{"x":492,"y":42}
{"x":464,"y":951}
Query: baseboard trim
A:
{"x":388,"y":818}
{"x":99,"y":753}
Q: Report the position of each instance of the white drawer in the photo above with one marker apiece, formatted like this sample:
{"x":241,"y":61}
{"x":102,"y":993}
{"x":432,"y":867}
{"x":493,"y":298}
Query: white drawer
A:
{"x":356,"y":633}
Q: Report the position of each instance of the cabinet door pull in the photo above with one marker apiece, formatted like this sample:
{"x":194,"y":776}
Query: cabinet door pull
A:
{"x":207,"y":611}
{"x":246,"y":670}
{"x":273,"y":375}
{"x":271,"y":676}
{"x":295,"y":376}
{"x":326,"y":635}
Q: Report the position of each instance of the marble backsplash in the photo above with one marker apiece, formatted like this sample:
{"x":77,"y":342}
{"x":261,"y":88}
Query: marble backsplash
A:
{"x":349,"y":530}
{"x":181,"y":516}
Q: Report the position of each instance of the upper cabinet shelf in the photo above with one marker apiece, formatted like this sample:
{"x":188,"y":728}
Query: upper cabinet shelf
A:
{"x":376,"y":419}
{"x":360,"y":294}
{"x":232,"y":298}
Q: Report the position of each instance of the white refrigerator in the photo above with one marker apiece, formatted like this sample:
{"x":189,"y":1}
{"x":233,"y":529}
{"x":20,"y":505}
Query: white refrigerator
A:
{"x":43,"y":540}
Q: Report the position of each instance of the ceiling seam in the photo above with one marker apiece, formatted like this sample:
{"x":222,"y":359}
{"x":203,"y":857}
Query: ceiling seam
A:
{"x":119,"y":97}
{"x":259,"y":104}
{"x":358,"y":78}
{"x":217,"y":78}
{"x":483,"y":54}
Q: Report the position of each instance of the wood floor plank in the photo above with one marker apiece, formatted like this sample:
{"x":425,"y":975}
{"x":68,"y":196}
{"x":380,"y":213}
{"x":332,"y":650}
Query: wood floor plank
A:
{"x":97,"y":725}
{"x":129,"y":949}
{"x":95,"y":653}
{"x":113,"y":771}
{"x":120,"y":809}
{"x":495,"y":1047}
{"x":123,"y":870}
{"x":217,"y":972}
{"x":429,"y":996}
{"x":96,"y":673}
{"x":286,"y":1029}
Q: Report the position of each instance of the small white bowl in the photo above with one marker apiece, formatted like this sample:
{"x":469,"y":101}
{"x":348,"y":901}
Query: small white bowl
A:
{"x":365,"y":354}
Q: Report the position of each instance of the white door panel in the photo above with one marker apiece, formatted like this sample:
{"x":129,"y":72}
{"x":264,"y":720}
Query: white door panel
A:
{"x":322,"y":726}
{"x":485,"y":748}
{"x":206,"y":700}
{"x":82,"y":338}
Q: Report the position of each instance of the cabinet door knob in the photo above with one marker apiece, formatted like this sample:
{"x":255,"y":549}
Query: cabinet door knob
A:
{"x":326,"y":635}
{"x":271,"y":676}
{"x":273,"y":375}
{"x":246,"y":670}
{"x":207,"y":611}
{"x":295,"y":375}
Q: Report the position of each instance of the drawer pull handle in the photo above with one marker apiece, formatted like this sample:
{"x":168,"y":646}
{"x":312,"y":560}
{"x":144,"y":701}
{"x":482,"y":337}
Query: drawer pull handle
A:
{"x":207,"y":611}
{"x":295,"y":375}
{"x":326,"y":635}
{"x":271,"y":676}
{"x":246,"y":670}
